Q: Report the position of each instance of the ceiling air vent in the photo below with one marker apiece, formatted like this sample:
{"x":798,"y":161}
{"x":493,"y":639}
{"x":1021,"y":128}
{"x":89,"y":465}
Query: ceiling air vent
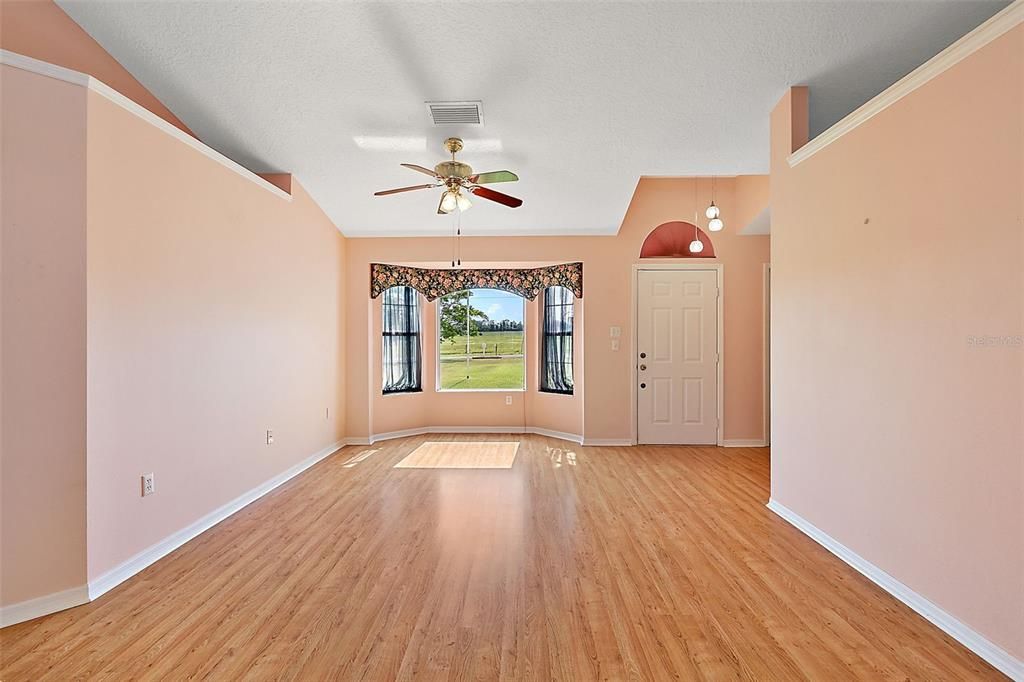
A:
{"x":456,"y":113}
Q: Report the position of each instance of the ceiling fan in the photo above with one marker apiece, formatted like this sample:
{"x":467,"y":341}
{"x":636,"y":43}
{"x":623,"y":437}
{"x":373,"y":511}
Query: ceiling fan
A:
{"x":458,"y":178}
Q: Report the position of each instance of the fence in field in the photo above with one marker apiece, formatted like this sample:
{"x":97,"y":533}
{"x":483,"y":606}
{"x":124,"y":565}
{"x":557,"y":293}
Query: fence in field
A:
{"x":511,"y":346}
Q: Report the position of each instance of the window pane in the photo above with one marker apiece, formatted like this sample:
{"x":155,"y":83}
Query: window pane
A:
{"x":481,"y":341}
{"x":556,"y":341}
{"x":400,"y":331}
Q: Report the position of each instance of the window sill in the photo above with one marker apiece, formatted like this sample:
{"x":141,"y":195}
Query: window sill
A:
{"x":413,"y":391}
{"x":480,"y":390}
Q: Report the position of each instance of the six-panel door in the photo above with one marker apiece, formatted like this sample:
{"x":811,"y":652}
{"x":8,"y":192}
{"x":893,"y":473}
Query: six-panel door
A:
{"x":677,"y":356}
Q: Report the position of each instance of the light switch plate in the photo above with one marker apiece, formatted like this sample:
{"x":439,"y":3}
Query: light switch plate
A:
{"x":615,"y":332}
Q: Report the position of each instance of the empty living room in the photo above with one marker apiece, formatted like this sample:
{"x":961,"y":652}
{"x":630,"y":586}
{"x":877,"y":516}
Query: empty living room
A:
{"x":512,"y":340}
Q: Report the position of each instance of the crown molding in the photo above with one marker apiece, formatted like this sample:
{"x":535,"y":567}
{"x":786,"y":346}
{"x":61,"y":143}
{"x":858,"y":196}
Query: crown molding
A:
{"x":1007,"y":19}
{"x":37,"y":66}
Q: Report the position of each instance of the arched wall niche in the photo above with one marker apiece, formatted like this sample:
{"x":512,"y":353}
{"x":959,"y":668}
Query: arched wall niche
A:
{"x":672,"y":240}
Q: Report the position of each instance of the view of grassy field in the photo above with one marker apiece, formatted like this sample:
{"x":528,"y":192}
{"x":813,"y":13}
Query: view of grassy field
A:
{"x":486,"y":343}
{"x":496,"y":361}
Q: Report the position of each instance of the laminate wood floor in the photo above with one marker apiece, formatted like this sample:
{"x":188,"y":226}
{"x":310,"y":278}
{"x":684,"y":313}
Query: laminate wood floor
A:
{"x":647,"y":563}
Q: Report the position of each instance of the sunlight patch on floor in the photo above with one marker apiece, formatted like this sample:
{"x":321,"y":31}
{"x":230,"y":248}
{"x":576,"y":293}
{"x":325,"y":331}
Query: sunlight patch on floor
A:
{"x":358,"y":458}
{"x":453,"y":455}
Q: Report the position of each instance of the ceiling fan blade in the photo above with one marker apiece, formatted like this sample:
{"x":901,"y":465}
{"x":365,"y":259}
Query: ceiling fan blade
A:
{"x":493,"y":176}
{"x":486,"y":193}
{"x":420,"y":169}
{"x":385,"y":192}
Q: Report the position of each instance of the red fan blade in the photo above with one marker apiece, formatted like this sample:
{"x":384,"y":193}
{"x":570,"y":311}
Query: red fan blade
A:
{"x":385,"y":192}
{"x":493,"y":176}
{"x":486,"y":193}
{"x":420,"y":169}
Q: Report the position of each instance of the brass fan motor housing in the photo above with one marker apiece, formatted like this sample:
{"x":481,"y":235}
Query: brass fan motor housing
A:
{"x":453,"y":169}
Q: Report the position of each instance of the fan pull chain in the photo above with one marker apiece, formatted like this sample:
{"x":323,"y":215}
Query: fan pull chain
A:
{"x":458,"y":237}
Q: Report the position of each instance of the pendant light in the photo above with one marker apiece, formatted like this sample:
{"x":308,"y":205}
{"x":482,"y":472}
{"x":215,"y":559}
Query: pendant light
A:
{"x":696,"y":246}
{"x":715,"y":223}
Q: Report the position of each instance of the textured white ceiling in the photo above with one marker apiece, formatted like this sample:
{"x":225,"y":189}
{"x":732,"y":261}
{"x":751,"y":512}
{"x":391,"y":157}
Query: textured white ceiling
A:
{"x":580,"y":98}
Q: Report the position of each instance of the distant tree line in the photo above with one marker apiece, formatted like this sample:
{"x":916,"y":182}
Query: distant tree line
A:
{"x":500,"y":326}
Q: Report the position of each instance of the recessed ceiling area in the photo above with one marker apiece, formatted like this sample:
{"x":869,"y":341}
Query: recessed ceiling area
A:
{"x":580,"y":99}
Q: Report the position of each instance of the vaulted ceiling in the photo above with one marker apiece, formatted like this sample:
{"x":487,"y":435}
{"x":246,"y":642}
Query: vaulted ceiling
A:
{"x":580,"y":99}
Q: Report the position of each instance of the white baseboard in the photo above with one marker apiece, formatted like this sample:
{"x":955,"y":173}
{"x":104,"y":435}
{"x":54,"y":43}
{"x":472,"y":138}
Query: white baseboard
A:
{"x":405,"y":433}
{"x":146,"y":557}
{"x":996,"y":656}
{"x":561,"y":435}
{"x":41,"y":606}
{"x":607,"y":442}
{"x":744,"y":443}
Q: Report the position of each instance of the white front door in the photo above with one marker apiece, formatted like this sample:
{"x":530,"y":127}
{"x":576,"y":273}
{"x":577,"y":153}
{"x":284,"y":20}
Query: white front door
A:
{"x":677,"y":356}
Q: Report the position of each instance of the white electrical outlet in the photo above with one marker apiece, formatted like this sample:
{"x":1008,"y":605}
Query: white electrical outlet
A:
{"x":508,"y":400}
{"x":148,"y":487}
{"x":615,"y":344}
{"x":615,"y":332}
{"x":270,"y":437}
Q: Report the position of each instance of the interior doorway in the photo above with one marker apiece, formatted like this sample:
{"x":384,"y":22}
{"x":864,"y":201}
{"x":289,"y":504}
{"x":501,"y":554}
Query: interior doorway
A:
{"x":677,"y":345}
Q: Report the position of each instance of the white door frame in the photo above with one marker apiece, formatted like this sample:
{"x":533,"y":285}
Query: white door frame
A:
{"x":634,"y":342}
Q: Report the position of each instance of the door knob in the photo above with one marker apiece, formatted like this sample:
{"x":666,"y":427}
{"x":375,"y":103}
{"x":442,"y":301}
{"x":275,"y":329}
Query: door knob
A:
{"x":643,"y":385}
{"x":643,"y":367}
{"x":643,"y":355}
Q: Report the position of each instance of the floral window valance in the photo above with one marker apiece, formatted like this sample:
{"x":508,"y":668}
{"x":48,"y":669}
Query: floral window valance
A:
{"x":526,"y":282}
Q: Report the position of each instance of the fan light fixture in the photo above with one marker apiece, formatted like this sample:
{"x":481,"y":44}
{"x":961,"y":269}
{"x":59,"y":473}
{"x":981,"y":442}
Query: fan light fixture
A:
{"x":449,"y":202}
{"x":454,"y":177}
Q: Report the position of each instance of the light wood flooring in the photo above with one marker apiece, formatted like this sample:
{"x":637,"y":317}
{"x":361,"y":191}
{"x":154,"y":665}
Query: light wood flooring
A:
{"x":647,"y":563}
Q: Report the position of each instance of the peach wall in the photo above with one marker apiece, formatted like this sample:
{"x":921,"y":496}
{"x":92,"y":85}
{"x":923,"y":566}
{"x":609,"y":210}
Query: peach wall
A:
{"x":215,"y":312}
{"x":42,"y":445}
{"x":606,"y":410}
{"x":40,"y":29}
{"x":893,"y":432}
{"x":752,"y":197}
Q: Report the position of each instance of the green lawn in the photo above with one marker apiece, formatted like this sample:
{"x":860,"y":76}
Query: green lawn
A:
{"x":490,"y":373}
{"x":490,"y":365}
{"x":487,"y":343}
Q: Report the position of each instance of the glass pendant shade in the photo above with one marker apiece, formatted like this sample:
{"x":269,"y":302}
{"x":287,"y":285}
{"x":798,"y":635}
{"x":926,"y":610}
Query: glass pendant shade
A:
{"x":463,"y":202}
{"x":696,"y":246}
{"x":449,"y":202}
{"x":712,"y":211}
{"x":715,"y":224}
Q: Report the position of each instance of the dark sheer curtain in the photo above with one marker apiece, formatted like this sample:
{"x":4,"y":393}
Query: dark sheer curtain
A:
{"x":400,"y":313}
{"x":556,"y":341}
